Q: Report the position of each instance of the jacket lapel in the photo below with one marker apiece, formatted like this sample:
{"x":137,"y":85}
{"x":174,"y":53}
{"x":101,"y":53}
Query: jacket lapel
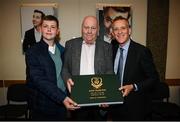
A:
{"x":77,"y":56}
{"x":129,"y":61}
{"x":97,"y":58}
{"x":46,"y":59}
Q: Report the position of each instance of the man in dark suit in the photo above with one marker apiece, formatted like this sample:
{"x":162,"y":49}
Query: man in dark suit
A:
{"x":33,"y":35}
{"x":133,"y":63}
{"x":84,"y":56}
{"x":48,"y":97}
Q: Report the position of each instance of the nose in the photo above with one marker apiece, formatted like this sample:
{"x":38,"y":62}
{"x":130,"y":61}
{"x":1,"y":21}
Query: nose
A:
{"x":49,"y":29}
{"x":89,"y":30}
{"x":119,"y":31}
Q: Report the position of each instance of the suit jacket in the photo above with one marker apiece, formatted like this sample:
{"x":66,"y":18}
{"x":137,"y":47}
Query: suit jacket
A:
{"x":139,"y":69}
{"x":45,"y":96}
{"x":102,"y":61}
{"x":29,"y":39}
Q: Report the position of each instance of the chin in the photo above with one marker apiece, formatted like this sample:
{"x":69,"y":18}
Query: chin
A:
{"x":89,"y":42}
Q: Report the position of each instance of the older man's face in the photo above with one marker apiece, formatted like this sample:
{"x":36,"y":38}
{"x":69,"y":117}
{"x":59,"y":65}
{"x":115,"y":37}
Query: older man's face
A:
{"x":89,"y":30}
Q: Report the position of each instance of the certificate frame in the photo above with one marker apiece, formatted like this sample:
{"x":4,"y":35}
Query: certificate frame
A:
{"x":93,"y":90}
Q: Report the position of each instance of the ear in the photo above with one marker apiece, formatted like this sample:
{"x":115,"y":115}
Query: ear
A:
{"x":130,"y":31}
{"x":58,"y":32}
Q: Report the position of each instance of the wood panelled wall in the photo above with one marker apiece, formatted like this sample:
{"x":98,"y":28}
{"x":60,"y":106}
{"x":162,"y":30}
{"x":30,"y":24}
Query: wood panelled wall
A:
{"x":157,"y":33}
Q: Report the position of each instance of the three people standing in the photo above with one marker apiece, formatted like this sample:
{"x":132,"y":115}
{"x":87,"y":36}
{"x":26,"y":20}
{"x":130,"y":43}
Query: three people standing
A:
{"x":88,"y":55}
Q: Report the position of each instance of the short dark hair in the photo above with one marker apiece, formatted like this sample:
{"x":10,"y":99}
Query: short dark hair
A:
{"x":121,"y":18}
{"x":38,"y":11}
{"x":51,"y":18}
{"x":117,"y":9}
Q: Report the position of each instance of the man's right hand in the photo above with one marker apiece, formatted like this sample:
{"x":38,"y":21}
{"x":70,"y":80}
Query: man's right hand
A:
{"x":70,"y":83}
{"x":70,"y":104}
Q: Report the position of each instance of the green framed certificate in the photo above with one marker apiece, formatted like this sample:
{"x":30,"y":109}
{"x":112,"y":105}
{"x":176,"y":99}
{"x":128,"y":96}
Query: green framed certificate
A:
{"x":90,"y":90}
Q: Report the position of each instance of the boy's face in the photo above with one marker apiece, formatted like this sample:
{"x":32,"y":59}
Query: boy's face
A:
{"x":49,"y":30}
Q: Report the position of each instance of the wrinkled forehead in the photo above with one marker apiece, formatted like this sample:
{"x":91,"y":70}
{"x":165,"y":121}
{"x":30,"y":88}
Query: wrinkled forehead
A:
{"x":90,"y":21}
{"x":120,"y":22}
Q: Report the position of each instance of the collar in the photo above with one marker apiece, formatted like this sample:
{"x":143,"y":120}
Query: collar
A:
{"x":36,"y":31}
{"x":126,"y":46}
{"x":52,"y":48}
{"x":89,"y":44}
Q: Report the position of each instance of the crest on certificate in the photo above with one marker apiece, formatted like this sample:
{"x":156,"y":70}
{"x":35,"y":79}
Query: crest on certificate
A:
{"x":96,"y":82}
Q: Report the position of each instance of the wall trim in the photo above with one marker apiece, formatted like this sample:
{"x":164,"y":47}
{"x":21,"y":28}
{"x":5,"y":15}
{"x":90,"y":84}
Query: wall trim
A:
{"x":1,"y":83}
{"x":173,"y":82}
{"x":6,"y":83}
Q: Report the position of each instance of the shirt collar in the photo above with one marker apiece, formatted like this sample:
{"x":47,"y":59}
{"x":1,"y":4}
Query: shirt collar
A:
{"x":88,"y":44}
{"x":52,"y":48}
{"x":36,"y":31}
{"x":126,"y":46}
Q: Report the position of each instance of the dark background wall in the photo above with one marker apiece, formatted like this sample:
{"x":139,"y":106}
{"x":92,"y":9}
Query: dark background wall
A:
{"x":157,"y":33}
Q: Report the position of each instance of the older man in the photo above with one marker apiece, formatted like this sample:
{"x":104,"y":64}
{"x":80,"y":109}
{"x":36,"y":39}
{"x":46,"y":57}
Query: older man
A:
{"x":84,"y":56}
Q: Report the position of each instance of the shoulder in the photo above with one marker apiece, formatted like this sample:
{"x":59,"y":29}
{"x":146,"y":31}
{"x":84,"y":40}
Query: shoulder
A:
{"x":103,"y":43}
{"x":37,"y":48}
{"x":139,"y":47}
{"x":60,"y":47}
{"x":30,"y":30}
{"x":34,"y":49}
{"x":74,"y":41}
